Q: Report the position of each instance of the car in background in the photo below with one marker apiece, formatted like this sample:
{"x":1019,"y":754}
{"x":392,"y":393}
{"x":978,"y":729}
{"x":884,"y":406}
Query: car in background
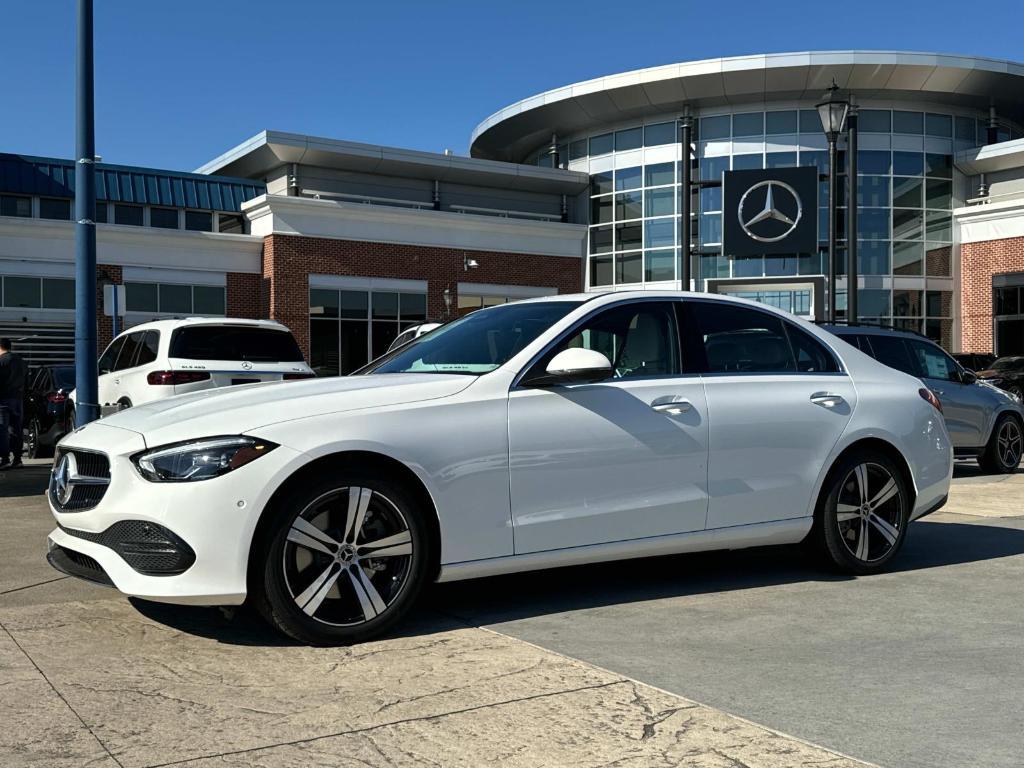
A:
{"x":47,"y":406}
{"x":984,"y":422}
{"x":409,"y":334}
{"x":553,"y":431}
{"x":163,"y":358}
{"x":1007,"y":373}
{"x":975,"y":361}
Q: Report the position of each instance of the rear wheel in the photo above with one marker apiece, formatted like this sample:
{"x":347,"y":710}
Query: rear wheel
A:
{"x":1005,"y":446}
{"x":33,"y":448}
{"x":865,"y":513}
{"x":343,"y":561}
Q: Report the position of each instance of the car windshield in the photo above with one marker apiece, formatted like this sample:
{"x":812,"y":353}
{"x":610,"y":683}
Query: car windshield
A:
{"x":235,"y":342}
{"x":64,"y":377}
{"x":477,"y":343}
{"x":1009,"y":364}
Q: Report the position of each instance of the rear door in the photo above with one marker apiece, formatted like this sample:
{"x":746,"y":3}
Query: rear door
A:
{"x":965,"y":406}
{"x":107,"y":386}
{"x":233,"y":354}
{"x":777,"y":404}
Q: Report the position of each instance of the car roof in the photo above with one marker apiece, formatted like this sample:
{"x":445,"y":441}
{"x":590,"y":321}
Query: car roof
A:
{"x":186,"y":322}
{"x":871,"y":330}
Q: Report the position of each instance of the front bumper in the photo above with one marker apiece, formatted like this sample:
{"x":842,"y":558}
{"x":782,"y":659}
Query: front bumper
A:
{"x":171,"y":542}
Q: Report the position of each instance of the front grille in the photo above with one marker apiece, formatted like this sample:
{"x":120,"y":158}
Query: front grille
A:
{"x":84,"y":495}
{"x":148,"y":548}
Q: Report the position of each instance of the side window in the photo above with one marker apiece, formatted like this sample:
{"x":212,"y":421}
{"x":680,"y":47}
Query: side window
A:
{"x":129,"y":352}
{"x":148,"y":349}
{"x":811,"y":355}
{"x":933,"y":362}
{"x":640,"y":340}
{"x":742,"y":340}
{"x":892,"y":351}
{"x":109,"y":356}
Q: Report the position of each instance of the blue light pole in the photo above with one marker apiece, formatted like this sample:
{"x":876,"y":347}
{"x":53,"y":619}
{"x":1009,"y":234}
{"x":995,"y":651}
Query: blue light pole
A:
{"x":86,"y":407}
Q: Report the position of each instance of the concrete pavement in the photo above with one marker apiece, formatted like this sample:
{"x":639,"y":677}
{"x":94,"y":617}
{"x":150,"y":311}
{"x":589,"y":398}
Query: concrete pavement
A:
{"x":87,"y":678}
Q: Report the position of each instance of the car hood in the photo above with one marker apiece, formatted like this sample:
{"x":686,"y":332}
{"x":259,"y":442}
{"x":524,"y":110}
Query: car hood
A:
{"x":240,"y":409}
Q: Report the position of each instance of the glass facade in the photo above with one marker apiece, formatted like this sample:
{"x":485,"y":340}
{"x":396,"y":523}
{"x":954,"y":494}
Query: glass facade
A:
{"x":905,"y":194}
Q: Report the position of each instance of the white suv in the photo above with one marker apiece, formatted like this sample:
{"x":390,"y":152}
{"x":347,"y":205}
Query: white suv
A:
{"x":155,"y":360}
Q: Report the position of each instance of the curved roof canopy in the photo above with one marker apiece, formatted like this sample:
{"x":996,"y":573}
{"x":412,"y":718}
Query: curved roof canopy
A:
{"x":513,"y":132}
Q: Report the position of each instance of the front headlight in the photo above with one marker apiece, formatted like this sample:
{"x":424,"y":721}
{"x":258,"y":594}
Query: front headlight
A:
{"x":199,"y":459}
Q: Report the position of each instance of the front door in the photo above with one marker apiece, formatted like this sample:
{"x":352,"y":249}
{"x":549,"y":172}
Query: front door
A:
{"x":777,"y":402}
{"x":624,"y":458}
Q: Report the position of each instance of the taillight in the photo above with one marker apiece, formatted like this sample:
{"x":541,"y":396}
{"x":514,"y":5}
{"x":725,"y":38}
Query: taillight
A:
{"x":928,"y":395}
{"x":165,"y":378}
{"x":56,"y":397}
{"x":293,"y":376}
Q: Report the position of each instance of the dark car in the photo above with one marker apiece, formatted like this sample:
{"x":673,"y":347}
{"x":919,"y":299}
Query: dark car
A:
{"x":975,"y":361}
{"x":47,"y":407}
{"x":983,"y":421}
{"x":1006,"y":373}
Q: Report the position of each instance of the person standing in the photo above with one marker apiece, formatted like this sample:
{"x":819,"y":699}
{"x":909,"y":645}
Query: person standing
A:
{"x":13,"y":373}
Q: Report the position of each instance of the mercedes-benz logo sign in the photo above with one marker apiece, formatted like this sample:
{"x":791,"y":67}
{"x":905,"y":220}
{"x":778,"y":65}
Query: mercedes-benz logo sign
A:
{"x":770,"y":218}
{"x":246,"y":365}
{"x":64,"y":476}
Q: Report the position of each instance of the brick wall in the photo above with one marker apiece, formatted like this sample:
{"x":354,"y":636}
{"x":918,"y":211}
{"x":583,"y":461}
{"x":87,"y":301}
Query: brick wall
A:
{"x":104,"y":324}
{"x":288,"y":260}
{"x":245,"y":296}
{"x":978,"y":263}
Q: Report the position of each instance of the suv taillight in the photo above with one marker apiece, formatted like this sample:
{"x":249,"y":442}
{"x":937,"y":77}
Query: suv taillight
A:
{"x":165,"y":378}
{"x":293,"y":376}
{"x":56,"y":397}
{"x":928,"y":395}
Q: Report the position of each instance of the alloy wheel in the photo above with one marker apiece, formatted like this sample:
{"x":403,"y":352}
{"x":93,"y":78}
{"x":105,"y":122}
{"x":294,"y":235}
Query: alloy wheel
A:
{"x":347,"y":556}
{"x":1010,"y":443}
{"x":869,"y":512}
{"x":31,"y":439}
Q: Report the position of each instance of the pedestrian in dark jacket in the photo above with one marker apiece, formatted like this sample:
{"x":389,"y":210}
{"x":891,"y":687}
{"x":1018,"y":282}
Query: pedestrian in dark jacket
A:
{"x":13,"y":375}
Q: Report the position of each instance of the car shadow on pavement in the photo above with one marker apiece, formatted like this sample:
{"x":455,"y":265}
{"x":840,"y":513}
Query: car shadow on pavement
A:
{"x":499,"y":599}
{"x":29,"y":480}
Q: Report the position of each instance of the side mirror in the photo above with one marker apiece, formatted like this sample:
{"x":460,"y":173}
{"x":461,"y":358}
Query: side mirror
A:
{"x":574,"y":366}
{"x":967,"y":377}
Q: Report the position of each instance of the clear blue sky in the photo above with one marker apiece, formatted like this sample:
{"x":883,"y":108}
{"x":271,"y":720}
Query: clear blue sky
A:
{"x":177,"y":83}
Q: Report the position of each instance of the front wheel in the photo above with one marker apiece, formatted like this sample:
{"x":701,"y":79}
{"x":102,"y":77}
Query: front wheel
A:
{"x":343,"y":560}
{"x":33,"y":448}
{"x":865,"y":513}
{"x":1005,"y":446}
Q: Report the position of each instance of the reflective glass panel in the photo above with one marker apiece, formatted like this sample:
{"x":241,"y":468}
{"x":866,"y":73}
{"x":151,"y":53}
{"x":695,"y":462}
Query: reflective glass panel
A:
{"x":384,"y":305}
{"x":873,"y":190}
{"x":163,"y":218}
{"x":938,"y":226}
{"x":601,"y":210}
{"x":629,"y":139}
{"x":601,"y":145}
{"x":965,"y":128}
{"x":128,"y":214}
{"x":355,"y":304}
{"x":141,"y":297}
{"x":746,"y":162}
{"x":938,"y":259}
{"x":938,"y":194}
{"x":907,"y":224}
{"x":601,"y":183}
{"x":601,"y":270}
{"x":660,"y":265}
{"x":660,"y":202}
{"x":657,"y":175}
{"x":780,"y":160}
{"x":872,"y":223}
{"x":600,"y":239}
{"x":810,"y":121}
{"x":907,"y":258}
{"x":54,"y":208}
{"x":873,"y":258}
{"x":208,"y":300}
{"x":22,"y":292}
{"x":776,"y":123}
{"x":710,"y":228}
{"x":874,"y":121}
{"x":629,"y":205}
{"x":628,"y":178}
{"x":938,"y":166}
{"x":199,"y":221}
{"x":907,"y":122}
{"x":58,"y":293}
{"x":873,"y":161}
{"x":660,"y":232}
{"x":748,"y":124}
{"x":323,"y":303}
{"x":908,"y":163}
{"x":906,"y":303}
{"x":661,"y":133}
{"x":578,"y":149}
{"x":714,"y":127}
{"x":872,"y":302}
{"x":629,"y":267}
{"x":175,"y":298}
{"x":906,"y":192}
{"x":628,"y":236}
{"x":938,"y":125}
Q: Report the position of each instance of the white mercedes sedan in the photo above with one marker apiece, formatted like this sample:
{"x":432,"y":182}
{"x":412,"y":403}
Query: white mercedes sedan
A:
{"x":537,"y":434}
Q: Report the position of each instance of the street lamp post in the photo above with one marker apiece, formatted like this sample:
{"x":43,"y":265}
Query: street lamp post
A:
{"x":685,"y":182}
{"x":851,"y":215}
{"x":86,"y":406}
{"x":832,"y":112}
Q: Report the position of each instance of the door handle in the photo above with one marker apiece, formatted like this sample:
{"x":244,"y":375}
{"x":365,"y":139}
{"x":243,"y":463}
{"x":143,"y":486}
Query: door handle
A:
{"x":827,"y":399}
{"x":117,"y":381}
{"x":673,"y":405}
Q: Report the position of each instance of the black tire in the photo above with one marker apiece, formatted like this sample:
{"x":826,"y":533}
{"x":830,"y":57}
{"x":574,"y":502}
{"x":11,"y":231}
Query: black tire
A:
{"x":862,"y":533}
{"x":1005,"y":446}
{"x":367,"y":594}
{"x":33,"y":448}
{"x":69,"y":421}
{"x":1016,"y":389}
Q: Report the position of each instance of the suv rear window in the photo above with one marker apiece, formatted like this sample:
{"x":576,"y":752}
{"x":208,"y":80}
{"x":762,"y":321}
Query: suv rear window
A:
{"x":235,"y":342}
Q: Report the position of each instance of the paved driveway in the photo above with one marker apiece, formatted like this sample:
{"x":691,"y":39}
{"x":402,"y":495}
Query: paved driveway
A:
{"x":923,"y":666}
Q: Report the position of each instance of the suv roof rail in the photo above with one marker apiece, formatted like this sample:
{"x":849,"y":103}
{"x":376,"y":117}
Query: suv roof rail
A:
{"x":862,"y":324}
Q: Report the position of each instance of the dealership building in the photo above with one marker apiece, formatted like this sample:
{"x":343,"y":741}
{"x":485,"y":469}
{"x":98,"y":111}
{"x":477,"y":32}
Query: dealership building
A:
{"x":578,"y":188}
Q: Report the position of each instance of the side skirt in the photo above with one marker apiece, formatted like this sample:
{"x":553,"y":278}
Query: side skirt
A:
{"x":736,"y":537}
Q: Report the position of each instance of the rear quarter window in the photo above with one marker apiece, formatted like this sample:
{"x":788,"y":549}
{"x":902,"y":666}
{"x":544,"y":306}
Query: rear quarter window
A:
{"x":893,"y":351}
{"x":226,"y":342}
